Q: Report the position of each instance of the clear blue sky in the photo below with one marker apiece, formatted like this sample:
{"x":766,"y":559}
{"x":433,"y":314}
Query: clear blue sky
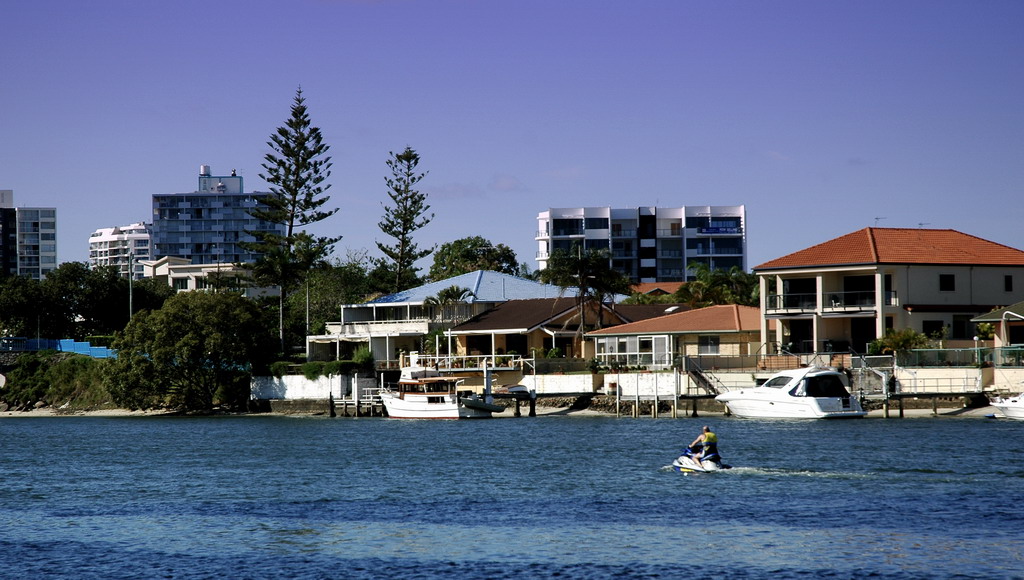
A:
{"x":820,"y":116}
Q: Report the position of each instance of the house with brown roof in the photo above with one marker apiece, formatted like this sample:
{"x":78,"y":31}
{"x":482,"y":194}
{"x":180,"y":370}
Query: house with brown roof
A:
{"x":655,"y":343}
{"x":1008,"y":325}
{"x":844,"y":293}
{"x":539,"y":325}
{"x":656,"y":288}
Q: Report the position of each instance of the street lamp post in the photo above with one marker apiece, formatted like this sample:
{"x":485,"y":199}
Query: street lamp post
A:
{"x":131,"y":293}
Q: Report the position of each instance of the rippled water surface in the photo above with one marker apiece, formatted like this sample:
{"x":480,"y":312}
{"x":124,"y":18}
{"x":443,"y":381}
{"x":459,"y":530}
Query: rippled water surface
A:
{"x":546,"y":497}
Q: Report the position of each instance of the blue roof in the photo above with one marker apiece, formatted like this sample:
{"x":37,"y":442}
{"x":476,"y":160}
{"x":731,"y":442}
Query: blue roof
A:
{"x":486,"y":286}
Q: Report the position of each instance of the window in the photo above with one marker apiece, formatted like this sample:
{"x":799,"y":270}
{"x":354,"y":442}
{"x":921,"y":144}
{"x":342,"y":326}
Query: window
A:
{"x":962,"y":327}
{"x":708,"y":344}
{"x":596,"y":223}
{"x":567,"y":227}
{"x":933,"y":328}
{"x":1008,"y":283}
{"x":947,"y":283}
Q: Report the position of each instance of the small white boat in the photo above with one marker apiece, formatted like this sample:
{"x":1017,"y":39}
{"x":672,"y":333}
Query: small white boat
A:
{"x":806,"y":393}
{"x":1010,"y":407}
{"x":424,"y":393}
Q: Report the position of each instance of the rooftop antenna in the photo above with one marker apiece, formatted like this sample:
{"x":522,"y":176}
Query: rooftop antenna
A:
{"x":922,"y":224}
{"x":877,"y":219}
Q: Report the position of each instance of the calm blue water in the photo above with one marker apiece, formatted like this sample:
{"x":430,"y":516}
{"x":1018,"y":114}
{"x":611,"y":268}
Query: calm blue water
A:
{"x":545,"y":497}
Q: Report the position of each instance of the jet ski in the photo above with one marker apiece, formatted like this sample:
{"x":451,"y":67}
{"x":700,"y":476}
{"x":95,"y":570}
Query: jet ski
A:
{"x":687,"y":462}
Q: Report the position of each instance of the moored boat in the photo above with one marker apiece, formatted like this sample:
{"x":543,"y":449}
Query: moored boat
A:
{"x":424,"y":393}
{"x":806,"y":393}
{"x":1010,"y":407}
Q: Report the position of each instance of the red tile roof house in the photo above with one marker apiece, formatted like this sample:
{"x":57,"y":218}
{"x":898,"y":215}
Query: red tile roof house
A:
{"x":727,"y":335}
{"x":656,"y":343}
{"x":844,"y":293}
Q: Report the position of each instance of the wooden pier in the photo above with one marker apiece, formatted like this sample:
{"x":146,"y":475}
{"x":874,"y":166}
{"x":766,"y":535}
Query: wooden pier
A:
{"x":367,"y":406}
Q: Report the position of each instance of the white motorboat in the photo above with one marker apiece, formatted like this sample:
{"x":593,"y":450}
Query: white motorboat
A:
{"x":424,"y":393}
{"x":806,"y":393}
{"x":1010,"y":407}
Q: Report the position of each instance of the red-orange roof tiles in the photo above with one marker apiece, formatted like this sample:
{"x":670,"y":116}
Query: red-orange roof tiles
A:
{"x":723,"y":318}
{"x":901,"y":246}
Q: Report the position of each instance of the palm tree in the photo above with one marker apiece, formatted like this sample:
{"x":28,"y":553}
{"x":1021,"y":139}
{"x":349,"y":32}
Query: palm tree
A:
{"x":446,"y":299}
{"x":590,"y":274}
{"x":713,"y":286}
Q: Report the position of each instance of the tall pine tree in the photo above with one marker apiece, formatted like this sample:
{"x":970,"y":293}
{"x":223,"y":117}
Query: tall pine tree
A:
{"x":296,"y":170}
{"x":396,"y":271}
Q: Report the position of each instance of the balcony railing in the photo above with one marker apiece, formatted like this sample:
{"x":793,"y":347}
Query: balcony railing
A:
{"x":831,"y":301}
{"x":850,"y":300}
{"x":791,"y":301}
{"x":720,"y":230}
{"x":568,"y":232}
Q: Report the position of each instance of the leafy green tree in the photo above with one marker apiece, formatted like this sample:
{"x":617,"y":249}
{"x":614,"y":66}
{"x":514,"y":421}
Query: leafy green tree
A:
{"x":22,"y":308}
{"x":296,"y":170}
{"x":469,"y":255}
{"x":899,"y":342}
{"x":74,"y":301}
{"x":396,"y":271}
{"x":198,"y":349}
{"x":590,"y":275}
{"x":640,"y":298}
{"x":334,"y":283}
{"x":528,"y":273}
{"x":711,"y":287}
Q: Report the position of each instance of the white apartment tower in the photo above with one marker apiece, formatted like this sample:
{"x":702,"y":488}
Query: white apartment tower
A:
{"x":28,"y":238}
{"x":649,"y":244}
{"x":122,"y":247}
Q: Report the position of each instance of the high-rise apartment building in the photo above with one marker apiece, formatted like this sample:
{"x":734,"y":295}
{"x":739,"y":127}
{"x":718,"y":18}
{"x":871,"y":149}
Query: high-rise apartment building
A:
{"x":121,"y":247}
{"x":207,"y":225}
{"x":28,"y":238}
{"x":649,"y":244}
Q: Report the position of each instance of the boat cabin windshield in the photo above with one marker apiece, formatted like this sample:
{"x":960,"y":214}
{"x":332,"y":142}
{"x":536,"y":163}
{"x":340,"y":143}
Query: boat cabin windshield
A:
{"x":428,"y":387}
{"x":822,"y":386}
{"x":777,"y":382}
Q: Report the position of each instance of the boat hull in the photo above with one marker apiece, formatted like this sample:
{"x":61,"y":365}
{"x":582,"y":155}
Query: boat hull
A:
{"x":1012,"y":407}
{"x":447,"y":407}
{"x":755,"y":407}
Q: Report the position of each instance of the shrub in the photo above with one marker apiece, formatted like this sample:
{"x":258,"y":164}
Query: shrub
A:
{"x":70,"y":381}
{"x":280,"y":368}
{"x":363,"y":357}
{"x":334,"y":367}
{"x":313,"y":370}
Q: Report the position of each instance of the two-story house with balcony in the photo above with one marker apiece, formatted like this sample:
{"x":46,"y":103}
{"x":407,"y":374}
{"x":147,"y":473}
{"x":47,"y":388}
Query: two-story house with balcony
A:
{"x":399,"y":322}
{"x":845,"y":293}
